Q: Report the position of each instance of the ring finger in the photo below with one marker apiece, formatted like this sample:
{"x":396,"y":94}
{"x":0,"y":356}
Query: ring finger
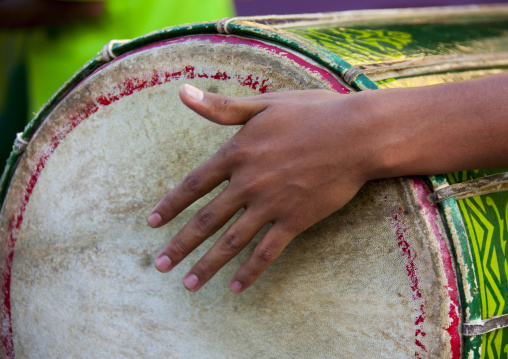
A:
{"x":231,"y":242}
{"x":203,"y":225}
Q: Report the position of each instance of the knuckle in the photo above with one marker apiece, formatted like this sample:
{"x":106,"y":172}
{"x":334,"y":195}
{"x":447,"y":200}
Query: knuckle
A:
{"x":205,"y":267}
{"x":192,"y":183}
{"x":168,"y":204}
{"x":234,"y":146}
{"x":231,"y":149}
{"x":223,"y":104}
{"x":179,"y":247}
{"x":230,"y":243}
{"x":255,"y":186}
{"x":205,"y":222}
{"x":265,"y":255}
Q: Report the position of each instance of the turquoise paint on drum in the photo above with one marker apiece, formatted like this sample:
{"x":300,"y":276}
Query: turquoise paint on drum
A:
{"x":328,"y":59}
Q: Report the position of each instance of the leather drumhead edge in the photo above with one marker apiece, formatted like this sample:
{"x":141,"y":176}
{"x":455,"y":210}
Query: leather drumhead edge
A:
{"x":372,"y":280}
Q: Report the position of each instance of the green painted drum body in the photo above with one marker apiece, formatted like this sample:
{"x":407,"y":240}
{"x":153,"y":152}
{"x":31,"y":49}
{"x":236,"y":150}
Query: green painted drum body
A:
{"x":438,"y":48}
{"x":412,"y":267}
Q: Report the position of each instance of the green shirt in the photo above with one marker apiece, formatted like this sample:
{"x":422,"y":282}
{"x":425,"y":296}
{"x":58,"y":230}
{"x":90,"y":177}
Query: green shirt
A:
{"x":54,"y":54}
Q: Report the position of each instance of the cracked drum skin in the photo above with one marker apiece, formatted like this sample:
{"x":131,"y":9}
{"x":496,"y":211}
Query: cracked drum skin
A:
{"x":373,"y":280}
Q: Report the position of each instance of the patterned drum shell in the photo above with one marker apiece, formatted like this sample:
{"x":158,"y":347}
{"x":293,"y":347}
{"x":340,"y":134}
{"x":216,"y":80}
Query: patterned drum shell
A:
{"x":376,"y":279}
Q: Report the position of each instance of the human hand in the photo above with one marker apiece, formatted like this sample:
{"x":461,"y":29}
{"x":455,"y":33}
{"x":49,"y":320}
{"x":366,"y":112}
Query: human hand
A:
{"x":296,"y":160}
{"x":302,"y":155}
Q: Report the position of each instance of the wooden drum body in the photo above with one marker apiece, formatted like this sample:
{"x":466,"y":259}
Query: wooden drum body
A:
{"x":378,"y":278}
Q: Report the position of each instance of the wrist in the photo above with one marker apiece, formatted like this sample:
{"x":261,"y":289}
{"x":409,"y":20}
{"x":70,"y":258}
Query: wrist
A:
{"x":435,"y":129}
{"x":383,"y":135}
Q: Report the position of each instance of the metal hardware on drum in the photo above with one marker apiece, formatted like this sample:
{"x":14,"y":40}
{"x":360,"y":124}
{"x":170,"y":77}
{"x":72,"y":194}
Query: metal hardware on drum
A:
{"x":485,"y":326}
{"x":483,"y":185}
{"x":76,"y":259}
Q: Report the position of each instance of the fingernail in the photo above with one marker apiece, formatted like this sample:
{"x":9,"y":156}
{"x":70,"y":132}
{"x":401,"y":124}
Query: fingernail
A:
{"x":195,"y":93}
{"x":154,"y":220}
{"x":236,"y":286}
{"x":190,"y":282}
{"x":163,"y":263}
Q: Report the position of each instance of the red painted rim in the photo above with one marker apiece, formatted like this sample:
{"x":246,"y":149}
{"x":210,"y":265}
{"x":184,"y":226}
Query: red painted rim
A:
{"x":124,"y":89}
{"x":400,"y":229}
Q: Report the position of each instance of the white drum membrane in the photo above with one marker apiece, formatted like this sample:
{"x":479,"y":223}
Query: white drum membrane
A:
{"x":83,"y":283}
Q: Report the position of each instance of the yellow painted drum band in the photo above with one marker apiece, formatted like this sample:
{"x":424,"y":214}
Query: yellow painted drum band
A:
{"x":374,"y":280}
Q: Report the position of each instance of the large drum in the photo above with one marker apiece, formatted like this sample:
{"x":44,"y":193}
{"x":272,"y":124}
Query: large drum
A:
{"x":391,"y":275}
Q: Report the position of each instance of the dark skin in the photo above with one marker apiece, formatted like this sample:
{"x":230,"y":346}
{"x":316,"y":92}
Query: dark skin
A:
{"x":33,"y":13}
{"x":302,"y":155}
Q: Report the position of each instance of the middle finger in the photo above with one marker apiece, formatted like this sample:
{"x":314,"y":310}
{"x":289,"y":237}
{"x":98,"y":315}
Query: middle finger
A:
{"x":203,"y":225}
{"x":231,"y":242}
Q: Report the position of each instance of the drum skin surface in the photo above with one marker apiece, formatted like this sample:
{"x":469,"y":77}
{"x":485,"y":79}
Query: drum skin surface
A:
{"x":373,"y":280}
{"x":429,"y":47}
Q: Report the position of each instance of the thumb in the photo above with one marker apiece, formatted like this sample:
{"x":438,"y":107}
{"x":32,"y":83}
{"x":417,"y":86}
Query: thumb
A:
{"x":220,"y":109}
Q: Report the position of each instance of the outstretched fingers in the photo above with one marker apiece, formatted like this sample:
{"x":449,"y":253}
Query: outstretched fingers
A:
{"x":266,"y":252}
{"x":195,"y":185}
{"x":203,"y":225}
{"x":224,"y":165}
{"x":231,"y":242}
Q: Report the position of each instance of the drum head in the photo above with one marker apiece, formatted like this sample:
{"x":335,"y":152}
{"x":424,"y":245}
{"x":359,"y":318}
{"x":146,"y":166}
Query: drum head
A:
{"x":372,"y":280}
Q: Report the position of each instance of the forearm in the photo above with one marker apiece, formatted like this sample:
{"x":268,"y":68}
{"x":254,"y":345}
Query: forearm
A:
{"x":439,"y":128}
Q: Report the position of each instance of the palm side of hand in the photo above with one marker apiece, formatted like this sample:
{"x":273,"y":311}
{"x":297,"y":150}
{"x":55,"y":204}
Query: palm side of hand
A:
{"x":291,"y":164}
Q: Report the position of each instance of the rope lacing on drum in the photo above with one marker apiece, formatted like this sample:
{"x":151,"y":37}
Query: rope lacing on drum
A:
{"x":222,"y":25}
{"x":423,"y":65}
{"x":352,"y":73}
{"x":20,"y":143}
{"x":107,"y":50}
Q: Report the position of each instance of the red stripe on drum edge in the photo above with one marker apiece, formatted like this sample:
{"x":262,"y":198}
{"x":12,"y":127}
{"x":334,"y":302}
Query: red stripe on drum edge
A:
{"x":400,"y":229}
{"x":17,"y":219}
{"x":235,"y":40}
{"x":6,"y":310}
{"x":125,"y":88}
{"x":432,"y":214}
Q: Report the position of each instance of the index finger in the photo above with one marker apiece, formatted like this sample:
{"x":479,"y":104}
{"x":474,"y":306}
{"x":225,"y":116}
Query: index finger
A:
{"x":195,"y":185}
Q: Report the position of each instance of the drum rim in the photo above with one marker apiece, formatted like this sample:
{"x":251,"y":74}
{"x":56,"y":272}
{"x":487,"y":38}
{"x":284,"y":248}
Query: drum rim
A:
{"x":325,"y":77}
{"x":456,"y":326}
{"x":332,"y":62}
{"x":246,"y":26}
{"x":457,"y":232}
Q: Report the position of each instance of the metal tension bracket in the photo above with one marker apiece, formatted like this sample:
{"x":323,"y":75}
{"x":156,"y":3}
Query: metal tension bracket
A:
{"x":479,"y":327}
{"x":489,"y":184}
